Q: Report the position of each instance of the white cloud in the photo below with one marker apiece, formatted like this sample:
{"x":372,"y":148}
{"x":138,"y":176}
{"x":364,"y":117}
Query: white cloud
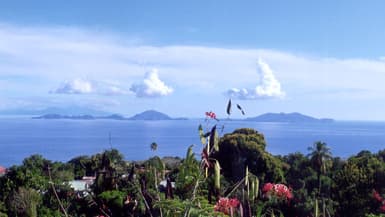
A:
{"x":151,"y":86}
{"x":268,"y":87}
{"x":76,"y":86}
{"x":83,"y":86}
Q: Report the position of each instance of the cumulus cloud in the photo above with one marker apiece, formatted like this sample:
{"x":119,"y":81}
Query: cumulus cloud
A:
{"x":84,"y":86}
{"x":76,"y":86}
{"x":151,"y":86}
{"x":268,"y":87}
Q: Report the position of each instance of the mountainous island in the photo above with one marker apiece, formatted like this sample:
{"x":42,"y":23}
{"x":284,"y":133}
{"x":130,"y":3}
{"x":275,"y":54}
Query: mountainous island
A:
{"x":149,"y":115}
{"x":153,"y":115}
{"x":294,"y":117}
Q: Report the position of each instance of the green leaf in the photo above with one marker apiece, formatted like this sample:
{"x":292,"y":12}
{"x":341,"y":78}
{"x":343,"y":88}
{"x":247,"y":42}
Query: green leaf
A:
{"x":316,"y":209}
{"x":216,"y":142}
{"x":200,"y":129}
{"x":190,"y":154}
{"x":228,"y":110}
{"x":217,"y":175}
{"x":256,"y":187}
{"x":240,"y":109}
{"x":247,"y":182}
{"x":202,"y":135}
{"x":252,"y":190}
{"x":259,"y":210}
{"x":247,"y":176}
{"x":214,"y":138}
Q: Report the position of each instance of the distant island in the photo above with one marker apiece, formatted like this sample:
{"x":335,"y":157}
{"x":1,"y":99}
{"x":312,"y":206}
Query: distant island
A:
{"x":58,"y":116}
{"x":149,"y":115}
{"x":65,"y":111}
{"x":287,"y":117}
{"x":153,"y":115}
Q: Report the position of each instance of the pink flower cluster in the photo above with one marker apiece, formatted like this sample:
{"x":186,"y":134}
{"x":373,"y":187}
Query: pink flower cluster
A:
{"x":280,"y":191}
{"x":211,"y":115}
{"x":226,"y":205}
{"x":378,"y":197}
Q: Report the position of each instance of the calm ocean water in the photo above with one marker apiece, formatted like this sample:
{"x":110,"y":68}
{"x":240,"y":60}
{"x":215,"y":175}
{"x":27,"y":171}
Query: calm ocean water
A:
{"x":61,"y":140}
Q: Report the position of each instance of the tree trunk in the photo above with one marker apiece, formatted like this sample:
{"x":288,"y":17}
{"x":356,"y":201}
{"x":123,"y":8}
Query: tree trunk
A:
{"x":319,"y":183}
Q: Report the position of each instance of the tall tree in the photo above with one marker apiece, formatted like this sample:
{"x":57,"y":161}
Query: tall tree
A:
{"x":246,"y":148}
{"x":321,"y":159}
{"x":110,"y":163}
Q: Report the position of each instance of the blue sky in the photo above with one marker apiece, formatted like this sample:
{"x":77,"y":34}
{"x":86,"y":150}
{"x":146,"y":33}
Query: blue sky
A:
{"x":325,"y":58}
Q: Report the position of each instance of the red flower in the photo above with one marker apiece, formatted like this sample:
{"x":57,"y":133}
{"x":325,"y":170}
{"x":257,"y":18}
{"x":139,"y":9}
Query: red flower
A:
{"x":377,"y":196}
{"x":280,"y":191}
{"x":289,"y":195}
{"x":234,"y":202}
{"x":211,"y":115}
{"x":226,"y":205}
{"x":267,"y":187}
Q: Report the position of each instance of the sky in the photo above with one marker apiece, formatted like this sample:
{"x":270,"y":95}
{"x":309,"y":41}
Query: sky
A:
{"x":321,"y":58}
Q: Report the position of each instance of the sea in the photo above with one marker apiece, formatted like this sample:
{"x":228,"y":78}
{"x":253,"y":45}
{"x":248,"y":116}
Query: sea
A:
{"x":62,"y":140}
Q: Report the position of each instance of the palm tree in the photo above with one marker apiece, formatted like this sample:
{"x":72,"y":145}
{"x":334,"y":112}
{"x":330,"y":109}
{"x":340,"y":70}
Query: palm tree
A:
{"x":321,"y":158}
{"x":154,"y":146}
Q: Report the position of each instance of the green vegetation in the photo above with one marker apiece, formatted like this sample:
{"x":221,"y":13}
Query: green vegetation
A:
{"x":234,"y":176}
{"x":240,"y":169}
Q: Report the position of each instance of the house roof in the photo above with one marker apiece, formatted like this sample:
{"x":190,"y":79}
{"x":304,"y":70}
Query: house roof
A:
{"x":78,"y":185}
{"x":3,"y":170}
{"x":83,"y":184}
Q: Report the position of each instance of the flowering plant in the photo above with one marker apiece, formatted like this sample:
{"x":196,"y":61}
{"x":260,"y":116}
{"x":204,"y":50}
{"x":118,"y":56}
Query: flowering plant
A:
{"x":226,"y":205}
{"x":378,"y":198}
{"x":211,"y":115}
{"x":279,"y":191}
